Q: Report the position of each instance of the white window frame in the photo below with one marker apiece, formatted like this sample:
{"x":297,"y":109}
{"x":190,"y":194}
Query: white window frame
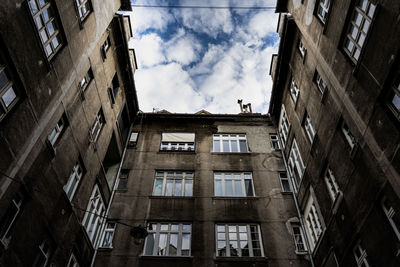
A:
{"x":185,"y":177}
{"x":86,"y":79}
{"x":73,"y":180}
{"x":218,"y":141}
{"x":123,"y":180}
{"x":235,"y":178}
{"x":108,"y":235}
{"x":390,"y":214}
{"x":360,"y":255}
{"x":284,"y":126}
{"x":158,"y":231}
{"x":72,"y":261}
{"x":84,"y":8}
{"x":6,"y":91}
{"x":97,"y":125}
{"x":225,"y":232}
{"x":45,"y":253}
{"x":331,"y":184}
{"x":294,"y":90}
{"x":314,"y":222}
{"x":309,"y":127}
{"x":16,"y":202}
{"x":394,"y":98}
{"x":320,"y":82}
{"x":299,"y":240}
{"x":274,"y":140}
{"x":361,"y":21}
{"x":177,"y":145}
{"x":56,"y":132}
{"x":302,"y":49}
{"x":323,"y":10}
{"x":133,"y":138}
{"x":53,"y":42}
{"x":351,"y":140}
{"x":296,"y":165}
{"x":94,"y":216}
{"x":284,"y":178}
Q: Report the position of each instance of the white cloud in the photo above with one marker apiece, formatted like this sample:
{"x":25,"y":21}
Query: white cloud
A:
{"x":183,"y":48}
{"x":149,"y":50}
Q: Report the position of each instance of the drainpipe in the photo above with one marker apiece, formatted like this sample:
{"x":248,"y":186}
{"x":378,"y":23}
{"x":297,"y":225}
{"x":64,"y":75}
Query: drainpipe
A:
{"x":297,"y":204}
{"x":109,"y":206}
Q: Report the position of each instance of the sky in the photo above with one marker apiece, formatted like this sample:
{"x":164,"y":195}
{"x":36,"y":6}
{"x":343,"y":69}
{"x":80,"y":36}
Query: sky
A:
{"x":192,"y":59}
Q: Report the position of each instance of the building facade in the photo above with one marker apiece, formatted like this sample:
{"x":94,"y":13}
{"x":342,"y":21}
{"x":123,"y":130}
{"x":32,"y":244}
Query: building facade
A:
{"x":67,"y":101}
{"x":211,"y":190}
{"x":335,"y":102}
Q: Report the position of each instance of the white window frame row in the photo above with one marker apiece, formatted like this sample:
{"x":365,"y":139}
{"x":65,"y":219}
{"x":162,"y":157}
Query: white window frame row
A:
{"x":97,"y":125}
{"x":314,"y":222}
{"x":351,"y":140}
{"x":391,"y":216}
{"x":298,"y":237}
{"x":274,"y":140}
{"x":12,"y":213}
{"x":73,"y":180}
{"x":185,"y":178}
{"x":320,"y":82}
{"x":323,"y":10}
{"x":56,"y":132}
{"x":331,"y":184}
{"x":233,"y":142}
{"x":309,"y":127}
{"x":285,"y":182}
{"x":302,"y":49}
{"x":84,"y":8}
{"x":296,"y":166}
{"x":360,"y":255}
{"x":284,"y":126}
{"x":72,"y":261}
{"x":229,"y":234}
{"x":166,"y":231}
{"x":94,"y":216}
{"x":241,"y":182}
{"x":294,"y":90}
{"x":8,"y":94}
{"x":108,"y":235}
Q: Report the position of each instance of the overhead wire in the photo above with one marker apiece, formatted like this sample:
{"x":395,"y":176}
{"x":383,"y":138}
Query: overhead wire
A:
{"x":204,"y":7}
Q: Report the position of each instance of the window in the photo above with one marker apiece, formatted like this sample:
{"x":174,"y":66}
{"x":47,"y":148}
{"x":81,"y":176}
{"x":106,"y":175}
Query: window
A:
{"x":298,"y":238}
{"x":358,"y":28}
{"x":43,"y":14}
{"x":108,"y":235}
{"x":133,"y":139}
{"x":351,"y":140}
{"x":8,"y":94}
{"x":394,"y":98}
{"x":308,"y":126}
{"x":114,"y":88}
{"x":294,"y":91}
{"x":9,"y":219}
{"x":391,"y":215}
{"x":84,"y":8}
{"x":323,"y":10}
{"x":94,"y":215}
{"x":97,"y":125}
{"x":175,"y":184}
{"x":104,"y":48}
{"x":295,"y":165}
{"x":331,"y":184}
{"x":177,"y":141}
{"x":236,"y":184}
{"x":274,"y":141}
{"x":285,"y":183}
{"x":168,"y":239}
{"x":72,"y":261}
{"x":56,"y":132}
{"x":313,"y":222}
{"x":238,"y":240}
{"x":360,"y":254}
{"x":302,"y":49}
{"x":284,"y":126}
{"x":73,"y":180}
{"x":320,"y":82}
{"x":43,"y":255}
{"x":86,"y":80}
{"x":230,"y":143}
{"x":123,"y":179}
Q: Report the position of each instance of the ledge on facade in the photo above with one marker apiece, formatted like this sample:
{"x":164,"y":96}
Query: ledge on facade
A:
{"x":231,"y":153}
{"x":171,"y":197}
{"x":235,"y":198}
{"x":177,"y":152}
{"x":162,"y":258}
{"x":246,"y":259}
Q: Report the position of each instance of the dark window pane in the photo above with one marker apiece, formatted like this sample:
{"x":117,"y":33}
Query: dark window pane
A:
{"x":243,"y":146}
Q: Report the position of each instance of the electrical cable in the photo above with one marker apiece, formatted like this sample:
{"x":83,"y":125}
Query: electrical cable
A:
{"x":205,"y":7}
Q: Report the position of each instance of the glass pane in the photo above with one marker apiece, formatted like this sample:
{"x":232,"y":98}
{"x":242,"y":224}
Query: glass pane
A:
{"x":51,"y":28}
{"x":357,"y":54}
{"x":366,"y":26}
{"x":47,"y":15}
{"x":162,"y":245}
{"x":42,"y":2}
{"x":174,"y":227}
{"x":361,"y":39}
{"x":221,"y":228}
{"x":245,"y":252}
{"x":357,"y":18}
{"x":173,"y":244}
{"x":43,"y":35}
{"x":55,"y":42}
{"x":353,"y":31}
{"x":363,"y":4}
{"x":178,"y":188}
{"x":3,"y":80}
{"x":218,"y":188}
{"x":221,"y":244}
{"x":286,"y":185}
{"x":228,"y":188}
{"x":349,"y":45}
{"x":396,"y":102}
{"x":371,"y":10}
{"x":186,"y":227}
{"x":243,"y":236}
{"x":9,"y":96}
{"x":234,"y":146}
{"x":48,"y":50}
{"x":257,"y":252}
{"x":243,"y":146}
{"x":234,"y":248}
{"x":186,"y":241}
{"x":107,"y":239}
{"x":225,"y":145}
{"x":238,"y":188}
{"x":188,"y":188}
{"x":216,"y":146}
{"x":232,"y":228}
{"x":168,"y":187}
{"x":33,"y":6}
{"x":221,"y":236}
{"x":160,"y":174}
{"x":242,"y":228}
{"x":249,"y":187}
{"x":164,"y":227}
{"x":244,"y":244}
{"x":149,"y":244}
{"x":232,"y":236}
{"x":158,"y":187}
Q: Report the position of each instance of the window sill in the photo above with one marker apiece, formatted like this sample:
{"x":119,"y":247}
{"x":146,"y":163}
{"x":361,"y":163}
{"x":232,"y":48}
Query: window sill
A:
{"x":246,"y":259}
{"x":170,"y":197}
{"x":287,"y":193}
{"x":231,"y":153}
{"x":177,"y":151}
{"x":233,"y":197}
{"x":303,"y":252}
{"x":151,"y":257}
